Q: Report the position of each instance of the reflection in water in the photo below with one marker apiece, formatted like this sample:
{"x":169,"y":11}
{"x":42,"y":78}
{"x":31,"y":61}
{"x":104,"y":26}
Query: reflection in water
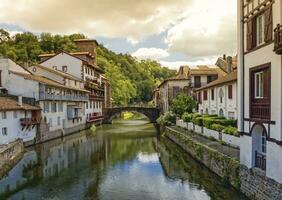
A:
{"x":119,"y":161}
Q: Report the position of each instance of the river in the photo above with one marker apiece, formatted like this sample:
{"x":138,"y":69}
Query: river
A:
{"x":121,"y":161}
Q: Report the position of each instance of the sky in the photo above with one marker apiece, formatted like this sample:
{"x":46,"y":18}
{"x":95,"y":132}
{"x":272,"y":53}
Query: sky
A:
{"x":173,"y":32}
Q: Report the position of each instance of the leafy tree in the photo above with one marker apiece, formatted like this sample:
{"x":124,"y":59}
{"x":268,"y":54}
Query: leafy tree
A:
{"x":4,"y":35}
{"x":183,"y":103}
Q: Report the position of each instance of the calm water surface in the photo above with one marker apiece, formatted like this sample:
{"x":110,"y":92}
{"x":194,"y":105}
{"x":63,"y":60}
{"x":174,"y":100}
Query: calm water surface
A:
{"x":120,"y":161}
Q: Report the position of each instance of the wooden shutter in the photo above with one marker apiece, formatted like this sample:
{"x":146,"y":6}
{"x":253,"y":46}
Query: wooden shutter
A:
{"x":205,"y":95}
{"x":230,"y":91}
{"x":268,"y":25}
{"x":266,"y":83}
{"x":0,"y":78}
{"x":200,"y":97}
{"x":250,"y":34}
{"x":212,"y":94}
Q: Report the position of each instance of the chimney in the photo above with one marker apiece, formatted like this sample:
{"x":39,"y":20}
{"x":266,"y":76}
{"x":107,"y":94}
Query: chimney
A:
{"x":224,"y":57}
{"x":20,"y":100}
{"x":229,"y":64}
{"x":87,"y":45}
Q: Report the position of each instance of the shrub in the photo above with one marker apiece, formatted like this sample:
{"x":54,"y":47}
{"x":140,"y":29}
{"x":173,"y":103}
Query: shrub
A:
{"x":231,"y":131}
{"x":198,"y":121}
{"x":187,"y":117}
{"x":167,"y":119}
{"x":210,"y":120}
{"x":222,"y":142}
{"x":217,"y":127}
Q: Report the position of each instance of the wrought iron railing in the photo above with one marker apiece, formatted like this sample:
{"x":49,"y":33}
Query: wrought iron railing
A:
{"x":260,"y":161}
{"x":64,"y":97}
{"x":29,"y":121}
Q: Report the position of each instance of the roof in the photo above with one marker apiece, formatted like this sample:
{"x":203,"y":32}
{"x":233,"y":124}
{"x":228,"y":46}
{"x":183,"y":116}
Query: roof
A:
{"x":7,"y":103}
{"x":86,"y":40}
{"x":46,"y":81}
{"x":185,"y":72}
{"x":49,"y":56}
{"x":231,"y":77}
{"x":222,"y":63}
{"x":58,"y":72}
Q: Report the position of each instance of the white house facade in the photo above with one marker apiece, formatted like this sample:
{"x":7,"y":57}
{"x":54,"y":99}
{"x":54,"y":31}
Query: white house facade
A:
{"x":260,"y":88}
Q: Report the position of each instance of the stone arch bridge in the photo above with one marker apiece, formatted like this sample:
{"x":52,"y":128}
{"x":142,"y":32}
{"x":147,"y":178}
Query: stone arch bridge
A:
{"x":111,"y":113}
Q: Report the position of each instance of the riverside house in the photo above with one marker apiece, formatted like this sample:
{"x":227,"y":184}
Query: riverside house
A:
{"x":185,"y":81}
{"x":219,"y":97}
{"x":260,"y":93}
{"x":18,"y":120}
{"x":63,"y":105}
{"x":83,"y":64}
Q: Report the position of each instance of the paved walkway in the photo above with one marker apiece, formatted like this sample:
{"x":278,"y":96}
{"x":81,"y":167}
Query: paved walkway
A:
{"x":225,"y":149}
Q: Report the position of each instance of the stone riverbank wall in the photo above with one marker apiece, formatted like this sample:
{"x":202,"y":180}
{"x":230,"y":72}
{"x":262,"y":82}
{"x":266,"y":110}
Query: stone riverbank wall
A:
{"x":226,"y":167}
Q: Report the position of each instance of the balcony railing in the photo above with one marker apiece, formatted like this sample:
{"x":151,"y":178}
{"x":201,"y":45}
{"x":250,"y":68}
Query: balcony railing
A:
{"x":260,"y":161}
{"x":278,"y":39}
{"x":66,"y":97}
{"x":96,"y":97}
{"x":29,"y":121}
{"x":260,"y":112}
{"x":94,"y":117}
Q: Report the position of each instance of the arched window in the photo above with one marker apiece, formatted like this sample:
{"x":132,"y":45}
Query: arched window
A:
{"x":221,"y":95}
{"x":221,"y":113}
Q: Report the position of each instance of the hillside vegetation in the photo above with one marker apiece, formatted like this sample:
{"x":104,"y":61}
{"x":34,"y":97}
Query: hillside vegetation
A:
{"x":132,"y":81}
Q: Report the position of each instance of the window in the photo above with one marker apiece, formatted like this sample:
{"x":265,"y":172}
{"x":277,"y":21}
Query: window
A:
{"x":53,"y":107}
{"x":50,"y":122}
{"x":59,"y":121}
{"x":4,"y":131}
{"x":260,"y":30}
{"x":259,"y":85}
{"x":231,"y":115}
{"x":15,"y":114}
{"x":197,"y":81}
{"x":221,"y":113}
{"x":263,"y":142}
{"x":200,"y":97}
{"x":221,"y":95}
{"x":205,"y":95}
{"x":46,"y":106}
{"x":211,"y":78}
{"x":60,"y":107}
{"x":65,"y":68}
{"x":4,"y":115}
{"x":230,"y":92}
{"x":212,"y":94}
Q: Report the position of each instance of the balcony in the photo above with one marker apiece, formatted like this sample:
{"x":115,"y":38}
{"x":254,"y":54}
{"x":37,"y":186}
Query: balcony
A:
{"x":29,"y":121}
{"x":260,"y":111}
{"x":94,"y":117}
{"x":98,"y":97}
{"x":198,"y":84}
{"x":278,"y":39}
{"x":61,"y":97}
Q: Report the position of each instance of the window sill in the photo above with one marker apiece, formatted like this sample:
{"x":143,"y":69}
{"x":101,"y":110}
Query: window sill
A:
{"x":258,"y":47}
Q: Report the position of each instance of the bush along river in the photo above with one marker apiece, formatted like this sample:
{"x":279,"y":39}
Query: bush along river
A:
{"x":121,"y":161}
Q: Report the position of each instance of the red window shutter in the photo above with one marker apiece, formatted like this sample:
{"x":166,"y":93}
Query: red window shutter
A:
{"x":205,"y":95}
{"x":266,"y":83}
{"x":212,"y":94}
{"x":268,"y":25}
{"x":230,"y":92}
{"x":200,"y":97}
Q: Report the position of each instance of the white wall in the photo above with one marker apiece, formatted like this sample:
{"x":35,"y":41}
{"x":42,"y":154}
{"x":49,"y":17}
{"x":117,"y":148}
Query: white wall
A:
{"x":74,"y":64}
{"x":14,"y":127}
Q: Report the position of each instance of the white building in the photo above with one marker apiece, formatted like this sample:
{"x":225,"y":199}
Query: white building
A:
{"x":185,"y":81}
{"x":83,"y":65}
{"x":63,"y":105}
{"x":18,"y":120}
{"x":260,"y":87}
{"x":219,"y":97}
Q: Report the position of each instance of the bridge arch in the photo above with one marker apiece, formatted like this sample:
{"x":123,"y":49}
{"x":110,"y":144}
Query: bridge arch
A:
{"x":110,"y":113}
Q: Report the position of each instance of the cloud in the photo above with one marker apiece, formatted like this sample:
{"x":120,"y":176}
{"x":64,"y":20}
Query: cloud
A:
{"x":192,"y":63}
{"x":150,"y":53}
{"x":209,"y":30}
{"x":109,"y":18}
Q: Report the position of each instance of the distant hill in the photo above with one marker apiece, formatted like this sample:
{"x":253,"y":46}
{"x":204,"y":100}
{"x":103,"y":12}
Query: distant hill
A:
{"x":132,"y":81}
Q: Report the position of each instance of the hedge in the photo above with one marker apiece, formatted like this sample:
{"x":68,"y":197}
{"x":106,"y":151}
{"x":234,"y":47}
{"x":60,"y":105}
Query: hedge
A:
{"x":231,"y":131}
{"x":217,"y":127}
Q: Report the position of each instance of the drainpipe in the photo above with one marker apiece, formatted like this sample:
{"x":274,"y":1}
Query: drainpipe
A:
{"x":241,"y":67}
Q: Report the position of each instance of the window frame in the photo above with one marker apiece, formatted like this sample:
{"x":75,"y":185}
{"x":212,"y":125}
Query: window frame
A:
{"x":261,"y":90}
{"x":260,"y":32}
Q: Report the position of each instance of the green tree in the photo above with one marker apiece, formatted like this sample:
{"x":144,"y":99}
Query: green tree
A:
{"x":183,"y":103}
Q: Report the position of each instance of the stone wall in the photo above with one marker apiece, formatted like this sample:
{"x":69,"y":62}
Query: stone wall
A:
{"x":10,"y":154}
{"x":224,"y":166}
{"x":256,"y":185}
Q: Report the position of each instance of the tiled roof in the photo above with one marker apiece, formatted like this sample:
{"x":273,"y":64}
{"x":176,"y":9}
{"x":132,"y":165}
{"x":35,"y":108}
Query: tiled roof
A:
{"x":7,"y":103}
{"x":46,"y":81}
{"x":185,"y":72}
{"x":58,"y":72}
{"x":220,"y":81}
